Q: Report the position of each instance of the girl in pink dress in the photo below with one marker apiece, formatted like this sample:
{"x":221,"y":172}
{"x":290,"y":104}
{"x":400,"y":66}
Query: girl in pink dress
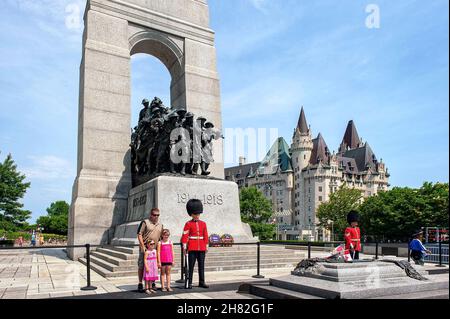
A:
{"x":151,"y":267}
{"x":165,"y":259}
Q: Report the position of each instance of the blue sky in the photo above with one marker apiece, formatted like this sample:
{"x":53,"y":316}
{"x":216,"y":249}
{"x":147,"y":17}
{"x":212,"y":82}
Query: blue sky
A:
{"x":273,"y":57}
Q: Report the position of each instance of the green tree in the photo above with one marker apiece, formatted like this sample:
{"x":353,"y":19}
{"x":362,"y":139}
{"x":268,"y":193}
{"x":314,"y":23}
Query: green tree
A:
{"x":333,"y":213}
{"x":397,"y":213}
{"x":56,"y":221}
{"x":256,"y":210}
{"x":12,"y":189}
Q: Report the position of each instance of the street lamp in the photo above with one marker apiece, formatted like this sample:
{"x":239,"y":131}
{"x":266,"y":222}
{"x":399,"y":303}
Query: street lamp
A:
{"x":332,"y":230}
{"x":276,"y":225}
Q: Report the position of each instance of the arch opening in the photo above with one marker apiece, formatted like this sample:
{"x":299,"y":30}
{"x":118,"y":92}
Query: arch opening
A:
{"x":149,"y":78}
{"x":169,"y":53}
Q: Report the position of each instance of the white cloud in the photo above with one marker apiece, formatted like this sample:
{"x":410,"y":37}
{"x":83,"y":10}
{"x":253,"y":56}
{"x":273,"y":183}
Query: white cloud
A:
{"x":50,"y":11}
{"x":260,"y":5}
{"x":49,"y":167}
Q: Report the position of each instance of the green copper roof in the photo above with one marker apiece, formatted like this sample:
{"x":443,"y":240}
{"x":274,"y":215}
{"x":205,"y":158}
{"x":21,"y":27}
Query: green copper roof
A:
{"x":277,"y":157}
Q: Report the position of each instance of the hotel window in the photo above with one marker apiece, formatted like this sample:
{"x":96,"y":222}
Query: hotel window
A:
{"x":320,"y":188}
{"x":320,"y":198}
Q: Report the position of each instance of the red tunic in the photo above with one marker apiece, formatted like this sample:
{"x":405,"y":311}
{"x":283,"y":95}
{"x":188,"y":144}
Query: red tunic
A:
{"x":195,"y":235}
{"x":352,"y":236}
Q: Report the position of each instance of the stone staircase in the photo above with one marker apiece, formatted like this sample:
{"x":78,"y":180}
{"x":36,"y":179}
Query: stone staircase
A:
{"x":122,"y":261}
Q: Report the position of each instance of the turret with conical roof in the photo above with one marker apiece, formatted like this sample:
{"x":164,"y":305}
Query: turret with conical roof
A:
{"x":301,"y":143}
{"x":351,"y":138}
{"x":320,"y":152}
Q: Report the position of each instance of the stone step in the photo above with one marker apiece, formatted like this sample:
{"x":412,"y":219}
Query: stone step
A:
{"x":108,"y":265}
{"x":120,"y":261}
{"x":219,"y":254}
{"x":114,"y":260}
{"x":107,"y":273}
{"x":271,"y":292}
{"x":118,"y":254}
{"x":333,"y":290}
{"x":431,"y":294}
{"x":115,"y":264}
{"x":436,"y":270}
{"x":107,"y":270}
{"x":128,"y":250}
{"x":234,"y":249}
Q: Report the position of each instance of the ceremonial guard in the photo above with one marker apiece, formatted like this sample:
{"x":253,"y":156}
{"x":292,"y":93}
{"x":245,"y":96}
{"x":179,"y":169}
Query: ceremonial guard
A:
{"x":195,"y":241}
{"x":352,"y":235}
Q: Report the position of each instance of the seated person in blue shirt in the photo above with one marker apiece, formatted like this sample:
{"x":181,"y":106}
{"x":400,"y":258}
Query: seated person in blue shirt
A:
{"x":418,"y":250}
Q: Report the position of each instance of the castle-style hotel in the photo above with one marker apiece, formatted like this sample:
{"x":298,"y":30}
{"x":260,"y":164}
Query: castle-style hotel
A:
{"x":299,"y":178}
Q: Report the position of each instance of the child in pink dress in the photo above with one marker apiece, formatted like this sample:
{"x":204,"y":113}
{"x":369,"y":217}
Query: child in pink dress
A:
{"x":151,"y":267}
{"x":165,"y":259}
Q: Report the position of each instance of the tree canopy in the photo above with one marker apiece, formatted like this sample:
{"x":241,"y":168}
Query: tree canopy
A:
{"x":397,"y":213}
{"x":333,"y":213}
{"x":56,"y":221}
{"x":394,"y":214}
{"x":256,"y":210}
{"x":12,"y":189}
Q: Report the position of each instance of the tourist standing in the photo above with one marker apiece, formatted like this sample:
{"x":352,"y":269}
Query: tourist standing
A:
{"x":33,"y":238}
{"x":151,"y":267}
{"x":148,"y":230}
{"x":165,"y":259}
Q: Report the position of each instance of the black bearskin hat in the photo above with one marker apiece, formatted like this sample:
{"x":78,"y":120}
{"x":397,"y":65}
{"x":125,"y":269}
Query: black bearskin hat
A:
{"x":352,"y":216}
{"x":194,"y":206}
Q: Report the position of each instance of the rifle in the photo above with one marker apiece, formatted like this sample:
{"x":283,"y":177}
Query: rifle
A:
{"x":186,"y":270}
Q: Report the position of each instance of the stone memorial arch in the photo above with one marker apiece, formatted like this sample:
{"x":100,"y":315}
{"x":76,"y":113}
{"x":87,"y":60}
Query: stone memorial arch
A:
{"x":177,"y":33}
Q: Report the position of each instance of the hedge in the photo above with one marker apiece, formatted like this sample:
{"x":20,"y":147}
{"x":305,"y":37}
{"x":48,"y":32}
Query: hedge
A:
{"x":27,"y":235}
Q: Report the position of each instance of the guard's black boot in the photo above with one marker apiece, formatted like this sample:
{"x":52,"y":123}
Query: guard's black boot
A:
{"x":203,"y":285}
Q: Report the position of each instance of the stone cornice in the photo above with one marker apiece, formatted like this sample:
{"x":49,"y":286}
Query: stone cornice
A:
{"x":148,"y":18}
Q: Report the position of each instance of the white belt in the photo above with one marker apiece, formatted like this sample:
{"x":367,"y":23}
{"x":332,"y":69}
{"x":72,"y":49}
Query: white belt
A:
{"x":195,"y":237}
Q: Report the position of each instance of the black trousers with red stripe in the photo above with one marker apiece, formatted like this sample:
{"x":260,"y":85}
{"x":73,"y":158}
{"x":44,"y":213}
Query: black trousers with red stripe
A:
{"x":200,"y":257}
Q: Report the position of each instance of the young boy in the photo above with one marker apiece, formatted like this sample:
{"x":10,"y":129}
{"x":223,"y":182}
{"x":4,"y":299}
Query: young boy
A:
{"x":352,"y":235}
{"x":195,"y":241}
{"x":418,"y":250}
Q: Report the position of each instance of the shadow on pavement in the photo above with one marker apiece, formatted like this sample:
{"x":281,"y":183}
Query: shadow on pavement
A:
{"x":134,"y":294}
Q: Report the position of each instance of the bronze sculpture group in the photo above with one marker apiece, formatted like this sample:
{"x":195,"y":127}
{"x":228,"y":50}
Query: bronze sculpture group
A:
{"x":169,"y":140}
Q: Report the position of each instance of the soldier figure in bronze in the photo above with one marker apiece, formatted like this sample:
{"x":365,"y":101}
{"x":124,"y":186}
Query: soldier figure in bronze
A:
{"x":168,"y":140}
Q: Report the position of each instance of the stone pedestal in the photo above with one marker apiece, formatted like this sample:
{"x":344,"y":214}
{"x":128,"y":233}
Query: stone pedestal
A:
{"x":171,"y":193}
